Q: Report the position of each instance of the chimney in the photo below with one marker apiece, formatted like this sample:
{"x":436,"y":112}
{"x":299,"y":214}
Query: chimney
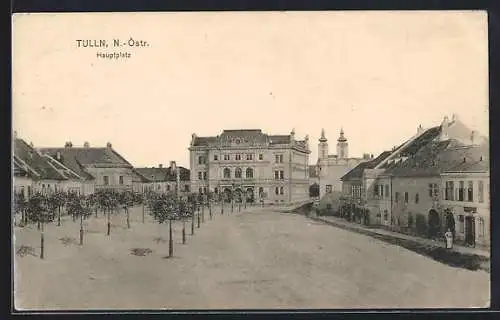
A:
{"x":420,"y":129}
{"x":68,"y":144}
{"x":292,"y":134}
{"x":366,"y":156}
{"x":58,"y":156}
{"x":473,"y":136}
{"x":172,"y":165}
{"x":109,"y":145}
{"x":160,"y":166}
{"x":371,"y":156}
{"x":454,"y":117}
{"x":86,"y":144}
{"x":444,"y":128}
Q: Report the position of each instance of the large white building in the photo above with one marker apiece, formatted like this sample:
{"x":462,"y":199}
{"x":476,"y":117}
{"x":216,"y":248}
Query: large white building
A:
{"x":251,"y":163}
{"x":331,"y":167}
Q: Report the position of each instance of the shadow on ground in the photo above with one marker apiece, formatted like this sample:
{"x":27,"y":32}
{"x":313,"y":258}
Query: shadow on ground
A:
{"x":451,"y":258}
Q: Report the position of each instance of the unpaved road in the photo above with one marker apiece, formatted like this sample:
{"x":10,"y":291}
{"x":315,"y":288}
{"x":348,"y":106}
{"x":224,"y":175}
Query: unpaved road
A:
{"x":241,"y":260}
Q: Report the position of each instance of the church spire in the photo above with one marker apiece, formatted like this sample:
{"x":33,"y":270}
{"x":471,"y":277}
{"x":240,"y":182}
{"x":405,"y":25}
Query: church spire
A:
{"x":342,"y":138}
{"x":323,"y":138}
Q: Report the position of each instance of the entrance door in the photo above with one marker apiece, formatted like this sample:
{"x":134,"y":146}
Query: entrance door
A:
{"x":470,"y":227}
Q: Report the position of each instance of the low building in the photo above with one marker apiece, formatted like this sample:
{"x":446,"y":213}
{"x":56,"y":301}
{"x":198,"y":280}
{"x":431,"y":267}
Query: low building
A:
{"x":251,"y":164}
{"x":35,"y":172}
{"x":103,"y":167}
{"x":436,"y":180}
{"x":165,"y":180}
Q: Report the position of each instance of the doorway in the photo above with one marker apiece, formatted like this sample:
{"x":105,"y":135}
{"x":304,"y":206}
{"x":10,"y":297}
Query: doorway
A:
{"x":470,"y":228}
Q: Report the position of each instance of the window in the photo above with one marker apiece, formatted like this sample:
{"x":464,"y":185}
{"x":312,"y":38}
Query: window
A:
{"x":481,"y":227}
{"x":121,"y":179}
{"x":216,"y":157}
{"x":238,"y":157}
{"x":204,"y":190}
{"x":249,"y":173}
{"x":261,"y":191}
{"x":205,"y":175}
{"x":237,"y":173}
{"x":158,"y":187}
{"x":470,"y":191}
{"x":356,"y":191}
{"x":328,"y":188}
{"x":461,"y":223}
{"x":201,"y":160}
{"x":277,"y":190}
{"x":227,"y":157}
{"x":381,"y":189}
{"x":168,"y":187}
{"x":480,"y":191}
{"x":282,"y":175}
{"x":261,"y":156}
{"x":29,"y":191}
{"x":461,"y":188}
{"x":186,"y":188}
{"x":406,"y":197}
{"x":416,"y":197}
{"x":449,"y":190}
{"x":396,"y":197}
{"x":200,"y":175}
{"x":276,"y":175}
{"x":375,"y":191}
{"x":105,"y":180}
{"x":282,"y":190}
{"x":279,"y":158}
{"x":200,"y":190}
{"x":387,"y":191}
{"x":249,"y":156}
{"x":227,"y":173}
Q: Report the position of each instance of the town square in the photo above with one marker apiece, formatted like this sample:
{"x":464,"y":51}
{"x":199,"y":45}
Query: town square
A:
{"x":248,"y":169}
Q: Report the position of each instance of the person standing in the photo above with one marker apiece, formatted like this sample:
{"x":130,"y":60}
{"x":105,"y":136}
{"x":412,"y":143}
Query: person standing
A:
{"x":449,"y":239}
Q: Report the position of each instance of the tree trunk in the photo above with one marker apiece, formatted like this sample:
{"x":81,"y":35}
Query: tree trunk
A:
{"x":183,"y":231}
{"x":59,"y":216}
{"x":38,"y":224}
{"x":203,"y":213}
{"x":170,"y":241}
{"x":42,"y":245}
{"x":81,"y":229}
{"x":222,"y":208}
{"x":96,"y":211}
{"x":192,"y":224}
{"x":128,"y":218}
{"x":143,"y":212}
{"x":109,"y":221}
{"x":210,"y":210}
{"x":232,"y":206}
{"x":198,"y":219}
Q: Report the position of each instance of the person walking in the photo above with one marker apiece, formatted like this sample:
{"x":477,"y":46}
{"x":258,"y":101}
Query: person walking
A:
{"x":449,"y":239}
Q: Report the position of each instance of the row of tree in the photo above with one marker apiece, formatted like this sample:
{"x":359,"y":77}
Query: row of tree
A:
{"x":44,"y":208}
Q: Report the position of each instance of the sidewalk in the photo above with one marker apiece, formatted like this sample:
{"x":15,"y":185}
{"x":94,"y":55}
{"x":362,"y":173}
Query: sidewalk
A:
{"x":339,"y":222}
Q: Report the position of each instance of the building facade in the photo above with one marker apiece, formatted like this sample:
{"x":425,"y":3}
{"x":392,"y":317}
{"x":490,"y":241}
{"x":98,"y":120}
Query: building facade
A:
{"x":436,"y":180}
{"x":331,"y":167}
{"x":251,"y":165}
{"x":35,"y":172}
{"x":165,"y":180}
{"x":102,"y":167}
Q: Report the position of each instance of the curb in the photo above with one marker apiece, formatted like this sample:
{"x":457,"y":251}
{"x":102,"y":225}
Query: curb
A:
{"x":373,"y":233}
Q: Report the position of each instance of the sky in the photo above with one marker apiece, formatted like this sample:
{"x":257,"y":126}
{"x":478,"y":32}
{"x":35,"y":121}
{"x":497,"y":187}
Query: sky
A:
{"x":379,"y":75}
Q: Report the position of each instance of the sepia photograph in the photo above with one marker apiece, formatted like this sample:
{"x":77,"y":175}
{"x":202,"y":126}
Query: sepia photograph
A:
{"x":250,"y":160}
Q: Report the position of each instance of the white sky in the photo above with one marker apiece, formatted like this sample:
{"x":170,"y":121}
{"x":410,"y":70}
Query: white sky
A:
{"x":377,"y":74}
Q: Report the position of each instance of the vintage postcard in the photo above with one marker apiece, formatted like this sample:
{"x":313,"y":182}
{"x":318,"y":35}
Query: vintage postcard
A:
{"x":251,"y":160}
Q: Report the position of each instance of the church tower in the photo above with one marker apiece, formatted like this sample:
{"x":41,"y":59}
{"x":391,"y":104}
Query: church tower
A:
{"x":323,"y":146}
{"x":342,"y":146}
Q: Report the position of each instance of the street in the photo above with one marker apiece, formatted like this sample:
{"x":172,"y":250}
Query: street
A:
{"x":258,"y":259}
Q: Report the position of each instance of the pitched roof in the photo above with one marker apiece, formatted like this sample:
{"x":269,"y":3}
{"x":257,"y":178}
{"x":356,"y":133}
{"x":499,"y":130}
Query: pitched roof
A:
{"x":248,"y":135}
{"x":37,"y":165}
{"x":163,"y":174}
{"x":89,"y":156}
{"x":357,"y":171}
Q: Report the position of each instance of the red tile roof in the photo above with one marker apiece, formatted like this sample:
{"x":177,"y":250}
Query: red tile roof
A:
{"x":164,"y":174}
{"x":357,"y":172}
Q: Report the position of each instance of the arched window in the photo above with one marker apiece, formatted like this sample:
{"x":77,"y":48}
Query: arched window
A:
{"x":249,"y":173}
{"x":227,"y":173}
{"x":237,"y":173}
